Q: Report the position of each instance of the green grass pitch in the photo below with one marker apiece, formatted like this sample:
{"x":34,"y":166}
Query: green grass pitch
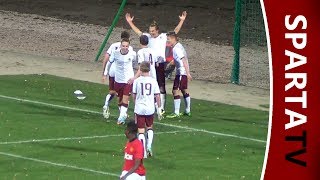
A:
{"x":46,"y":133}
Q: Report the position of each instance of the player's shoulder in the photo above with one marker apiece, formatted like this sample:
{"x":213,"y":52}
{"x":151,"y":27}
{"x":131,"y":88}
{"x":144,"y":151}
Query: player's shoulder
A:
{"x":115,"y":45}
{"x":137,"y":143}
{"x":154,"y":80}
{"x":140,"y":50}
{"x":132,"y":51}
{"x":138,"y":79}
{"x":147,"y":34}
{"x":116,"y":51}
{"x":178,"y":47}
{"x":163,"y":35}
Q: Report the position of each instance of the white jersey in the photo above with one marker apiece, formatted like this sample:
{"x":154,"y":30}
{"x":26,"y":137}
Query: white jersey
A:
{"x":145,"y":88}
{"x":178,"y":53}
{"x":123,"y":65}
{"x":147,"y":54}
{"x":114,"y":47}
{"x":158,"y":45}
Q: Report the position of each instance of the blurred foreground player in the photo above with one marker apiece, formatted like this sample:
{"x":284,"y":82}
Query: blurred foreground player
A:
{"x":145,"y":90}
{"x":182,"y":76}
{"x":133,"y":168}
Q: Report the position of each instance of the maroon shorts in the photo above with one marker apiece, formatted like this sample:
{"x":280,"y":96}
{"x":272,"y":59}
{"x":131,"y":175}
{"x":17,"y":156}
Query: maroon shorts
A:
{"x":111,"y":83}
{"x":123,"y":89}
{"x":144,"y":120}
{"x":180,"y":82}
{"x":161,"y":77}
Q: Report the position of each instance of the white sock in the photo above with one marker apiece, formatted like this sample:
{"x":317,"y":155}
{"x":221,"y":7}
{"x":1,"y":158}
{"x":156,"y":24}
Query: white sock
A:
{"x":108,"y":97}
{"x":177,"y":106}
{"x":187,"y":101}
{"x":149,"y":138}
{"x":163,"y":101}
{"x":123,"y":111}
{"x":142,"y":138}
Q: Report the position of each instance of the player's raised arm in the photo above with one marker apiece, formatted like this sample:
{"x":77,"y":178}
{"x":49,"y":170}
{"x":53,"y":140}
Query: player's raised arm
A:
{"x":129,"y":19}
{"x":182,"y":18}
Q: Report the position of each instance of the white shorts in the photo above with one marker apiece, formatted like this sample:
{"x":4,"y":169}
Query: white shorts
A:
{"x":133,"y":176}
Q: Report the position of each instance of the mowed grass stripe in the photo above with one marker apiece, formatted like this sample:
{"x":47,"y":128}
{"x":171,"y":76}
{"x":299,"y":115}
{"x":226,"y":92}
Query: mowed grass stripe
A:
{"x":164,"y":124}
{"x":83,"y":137}
{"x":58,"y":164}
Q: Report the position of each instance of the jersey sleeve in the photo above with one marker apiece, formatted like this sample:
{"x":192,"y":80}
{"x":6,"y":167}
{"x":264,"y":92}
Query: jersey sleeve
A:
{"x":178,"y":53}
{"x":156,"y":88}
{"x":138,"y":153}
{"x":134,"y":87}
{"x":112,"y":59}
{"x":109,"y":51}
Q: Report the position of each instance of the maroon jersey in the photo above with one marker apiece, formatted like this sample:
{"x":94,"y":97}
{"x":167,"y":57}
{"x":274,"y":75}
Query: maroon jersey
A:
{"x":133,"y":151}
{"x":169,"y":52}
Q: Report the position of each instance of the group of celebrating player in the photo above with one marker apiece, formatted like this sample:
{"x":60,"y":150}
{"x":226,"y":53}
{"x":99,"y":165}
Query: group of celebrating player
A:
{"x":147,"y":86}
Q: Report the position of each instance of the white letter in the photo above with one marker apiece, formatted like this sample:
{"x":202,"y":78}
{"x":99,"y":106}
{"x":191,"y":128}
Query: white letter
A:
{"x":302,"y":99}
{"x":295,"y":36}
{"x":293,"y":64}
{"x":294,"y":82}
{"x":301,"y":119}
{"x":295,"y":23}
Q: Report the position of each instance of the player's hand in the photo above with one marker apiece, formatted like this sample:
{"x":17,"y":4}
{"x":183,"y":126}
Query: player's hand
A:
{"x":103,"y":79}
{"x":183,"y":16}
{"x":129,"y":18}
{"x":189,"y":77}
{"x":130,"y":81}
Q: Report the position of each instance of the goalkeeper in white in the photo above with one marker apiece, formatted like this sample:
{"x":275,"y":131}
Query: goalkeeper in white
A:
{"x":145,"y":90}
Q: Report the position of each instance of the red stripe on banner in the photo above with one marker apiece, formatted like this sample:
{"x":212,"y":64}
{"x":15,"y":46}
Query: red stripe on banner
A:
{"x":294,"y":144}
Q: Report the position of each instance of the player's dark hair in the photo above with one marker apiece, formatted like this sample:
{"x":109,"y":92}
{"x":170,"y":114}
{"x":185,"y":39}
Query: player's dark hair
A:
{"x":125,"y":40}
{"x":145,"y":67}
{"x":125,"y":35}
{"x":154,"y":24}
{"x":144,"y":40}
{"x":132,"y":127}
{"x":172,"y":34}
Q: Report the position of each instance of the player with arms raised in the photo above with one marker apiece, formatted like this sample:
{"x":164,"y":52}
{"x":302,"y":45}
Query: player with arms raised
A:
{"x":157,"y":42}
{"x":111,"y":72}
{"x":182,"y":76}
{"x":123,"y":59}
{"x":145,"y":90}
{"x":133,"y":168}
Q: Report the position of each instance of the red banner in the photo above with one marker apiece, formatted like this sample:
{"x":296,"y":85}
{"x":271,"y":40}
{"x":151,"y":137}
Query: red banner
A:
{"x":293,"y":149}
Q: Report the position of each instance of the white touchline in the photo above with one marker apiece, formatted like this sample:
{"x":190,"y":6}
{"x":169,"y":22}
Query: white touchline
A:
{"x":265,"y":19}
{"x":164,"y":124}
{"x":80,"y":138}
{"x":58,"y":164}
